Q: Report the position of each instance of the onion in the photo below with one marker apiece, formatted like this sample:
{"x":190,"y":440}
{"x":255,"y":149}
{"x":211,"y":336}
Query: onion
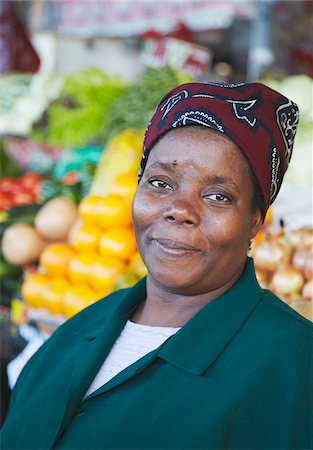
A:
{"x":269,"y":254}
{"x":288,"y":281}
{"x":308,"y":269}
{"x":307,"y":291}
{"x":301,"y":238}
{"x":55,"y":219}
{"x":299,"y":258}
{"x":21,"y":244}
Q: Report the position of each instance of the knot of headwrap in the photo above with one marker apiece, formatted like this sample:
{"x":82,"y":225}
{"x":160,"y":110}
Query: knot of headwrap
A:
{"x":260,"y":121}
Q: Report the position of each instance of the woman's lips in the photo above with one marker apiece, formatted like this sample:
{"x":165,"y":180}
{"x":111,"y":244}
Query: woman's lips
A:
{"x":175,"y":248}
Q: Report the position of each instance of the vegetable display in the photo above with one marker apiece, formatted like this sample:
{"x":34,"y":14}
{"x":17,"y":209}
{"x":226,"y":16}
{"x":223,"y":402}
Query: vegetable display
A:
{"x":134,"y":108}
{"x":78,"y":115}
{"x":284,"y":264}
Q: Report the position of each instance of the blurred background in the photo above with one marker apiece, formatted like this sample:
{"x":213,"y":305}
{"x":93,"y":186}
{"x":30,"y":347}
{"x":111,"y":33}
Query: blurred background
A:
{"x":79,"y":80}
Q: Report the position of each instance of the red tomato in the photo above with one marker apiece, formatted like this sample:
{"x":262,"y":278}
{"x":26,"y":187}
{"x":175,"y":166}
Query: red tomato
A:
{"x":6,"y":201}
{"x":24,"y":198}
{"x":30,"y":180}
{"x":6,"y":184}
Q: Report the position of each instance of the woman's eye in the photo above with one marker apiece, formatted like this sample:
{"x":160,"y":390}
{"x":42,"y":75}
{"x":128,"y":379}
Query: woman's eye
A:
{"x":160,"y":184}
{"x":217,"y":198}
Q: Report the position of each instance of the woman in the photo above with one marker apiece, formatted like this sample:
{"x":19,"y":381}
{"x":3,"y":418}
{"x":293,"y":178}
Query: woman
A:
{"x":197,"y":355}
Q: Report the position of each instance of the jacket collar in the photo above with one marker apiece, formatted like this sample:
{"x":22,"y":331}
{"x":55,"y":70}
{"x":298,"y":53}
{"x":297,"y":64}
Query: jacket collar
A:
{"x":203,"y":338}
{"x":200,"y":342}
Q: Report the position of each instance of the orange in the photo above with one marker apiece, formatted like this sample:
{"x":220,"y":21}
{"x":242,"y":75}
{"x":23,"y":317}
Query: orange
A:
{"x":88,"y":208}
{"x":33,"y":288}
{"x":55,"y":258}
{"x":76,"y":298}
{"x":106,"y":212}
{"x":104,"y":272}
{"x":119,"y":242}
{"x":79,"y":266}
{"x":53,"y":295}
{"x":86,"y":237}
{"x":124,"y":185}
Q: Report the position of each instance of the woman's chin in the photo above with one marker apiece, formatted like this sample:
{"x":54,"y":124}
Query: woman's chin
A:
{"x":171,"y":282}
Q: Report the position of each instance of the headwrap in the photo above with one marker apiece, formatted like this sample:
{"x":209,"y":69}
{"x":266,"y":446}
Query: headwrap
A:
{"x":259,"y":120}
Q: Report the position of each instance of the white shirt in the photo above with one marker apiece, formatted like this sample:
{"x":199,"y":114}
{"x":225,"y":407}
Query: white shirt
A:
{"x":134,"y":342}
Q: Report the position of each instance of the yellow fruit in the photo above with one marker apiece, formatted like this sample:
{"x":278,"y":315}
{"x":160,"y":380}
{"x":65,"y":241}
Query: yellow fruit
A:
{"x":119,"y":242}
{"x":86,"y":237}
{"x":55,"y":258}
{"x":88,"y":208}
{"x":127,"y":279}
{"x":53,"y":295}
{"x":104,"y":272}
{"x":33,"y":288}
{"x":76,"y":298}
{"x":136,"y":265}
{"x":122,"y":155}
{"x":79,"y":266}
{"x":124,"y":185}
{"x":106,"y":212}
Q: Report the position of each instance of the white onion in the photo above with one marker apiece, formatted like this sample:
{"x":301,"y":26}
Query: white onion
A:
{"x":287,"y":281}
{"x":307,"y":291}
{"x":269,"y":254}
{"x":299,"y":258}
{"x":301,"y":238}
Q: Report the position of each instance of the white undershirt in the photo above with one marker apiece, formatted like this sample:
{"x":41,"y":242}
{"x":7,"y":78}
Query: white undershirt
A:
{"x":133,"y":343}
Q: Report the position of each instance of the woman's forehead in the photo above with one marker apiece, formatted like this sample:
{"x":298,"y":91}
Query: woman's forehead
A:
{"x":193,"y":144}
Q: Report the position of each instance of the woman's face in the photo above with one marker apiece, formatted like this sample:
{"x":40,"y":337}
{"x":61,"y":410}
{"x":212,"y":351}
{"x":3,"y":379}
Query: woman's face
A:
{"x":192,"y":211}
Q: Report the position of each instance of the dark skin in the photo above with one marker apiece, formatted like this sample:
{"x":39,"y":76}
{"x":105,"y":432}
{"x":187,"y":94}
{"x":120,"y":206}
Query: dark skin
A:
{"x":193,"y":220}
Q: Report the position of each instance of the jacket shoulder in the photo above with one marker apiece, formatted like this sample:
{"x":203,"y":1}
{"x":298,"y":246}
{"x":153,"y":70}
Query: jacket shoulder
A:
{"x":285,"y":312}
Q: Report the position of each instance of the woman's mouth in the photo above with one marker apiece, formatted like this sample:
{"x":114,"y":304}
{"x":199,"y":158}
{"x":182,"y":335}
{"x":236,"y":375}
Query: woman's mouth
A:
{"x":174,"y":248}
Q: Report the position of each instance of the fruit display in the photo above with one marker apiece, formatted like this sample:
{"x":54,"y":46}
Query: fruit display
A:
{"x":84,"y":251}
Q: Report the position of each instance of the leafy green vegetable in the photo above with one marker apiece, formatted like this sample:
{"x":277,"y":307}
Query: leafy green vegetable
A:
{"x":134,"y":108}
{"x":76,"y":117}
{"x":8,"y":168}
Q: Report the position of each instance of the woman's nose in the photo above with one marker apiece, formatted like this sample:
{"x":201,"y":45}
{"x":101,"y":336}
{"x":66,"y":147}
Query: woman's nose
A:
{"x":182,"y":212}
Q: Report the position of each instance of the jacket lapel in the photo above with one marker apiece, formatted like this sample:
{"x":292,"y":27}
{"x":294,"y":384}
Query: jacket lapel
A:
{"x":93,"y":344}
{"x":204,"y":338}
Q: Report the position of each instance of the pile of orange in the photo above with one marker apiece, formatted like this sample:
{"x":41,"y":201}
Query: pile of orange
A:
{"x":99,"y":256}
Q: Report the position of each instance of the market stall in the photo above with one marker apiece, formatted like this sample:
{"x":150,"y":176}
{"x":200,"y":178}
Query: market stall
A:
{"x":70,"y":149}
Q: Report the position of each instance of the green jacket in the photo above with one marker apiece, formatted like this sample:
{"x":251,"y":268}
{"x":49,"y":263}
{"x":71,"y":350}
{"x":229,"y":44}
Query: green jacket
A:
{"x":238,"y":375}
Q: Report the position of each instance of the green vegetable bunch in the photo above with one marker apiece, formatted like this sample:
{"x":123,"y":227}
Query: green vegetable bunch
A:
{"x":134,"y":108}
{"x":76,"y":118}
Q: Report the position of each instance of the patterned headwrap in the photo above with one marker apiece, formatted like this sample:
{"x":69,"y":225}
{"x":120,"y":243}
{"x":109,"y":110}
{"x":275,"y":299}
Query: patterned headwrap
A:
{"x":260,"y":121}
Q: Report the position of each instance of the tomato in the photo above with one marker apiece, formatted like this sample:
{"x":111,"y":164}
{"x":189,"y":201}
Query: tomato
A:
{"x":6,"y":201}
{"x":6,"y":184}
{"x":24,"y":198}
{"x":32,"y":182}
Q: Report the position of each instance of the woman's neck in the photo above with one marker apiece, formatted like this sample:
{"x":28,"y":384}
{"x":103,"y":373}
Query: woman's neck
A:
{"x":167,"y":309}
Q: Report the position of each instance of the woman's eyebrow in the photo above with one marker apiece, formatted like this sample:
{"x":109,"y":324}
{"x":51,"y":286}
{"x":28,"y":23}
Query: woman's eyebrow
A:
{"x":216,"y":179}
{"x":161,"y":165}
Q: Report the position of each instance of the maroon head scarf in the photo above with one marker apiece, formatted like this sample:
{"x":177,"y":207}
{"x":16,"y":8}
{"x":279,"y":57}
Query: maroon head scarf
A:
{"x":260,"y":121}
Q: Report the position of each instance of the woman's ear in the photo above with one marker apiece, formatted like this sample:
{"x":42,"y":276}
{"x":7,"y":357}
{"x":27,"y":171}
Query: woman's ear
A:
{"x":256,"y":223}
